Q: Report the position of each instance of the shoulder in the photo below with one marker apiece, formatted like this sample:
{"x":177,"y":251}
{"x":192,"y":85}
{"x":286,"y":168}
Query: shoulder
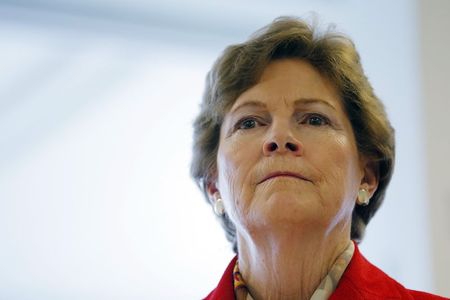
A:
{"x":363,"y":280}
{"x":424,"y":296}
{"x":225,"y":289}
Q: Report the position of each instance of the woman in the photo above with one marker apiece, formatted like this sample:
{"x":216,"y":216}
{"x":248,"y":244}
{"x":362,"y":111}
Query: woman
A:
{"x":294,"y":152}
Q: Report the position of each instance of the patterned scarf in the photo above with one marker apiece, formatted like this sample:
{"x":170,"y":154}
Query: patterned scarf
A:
{"x":322,"y":292}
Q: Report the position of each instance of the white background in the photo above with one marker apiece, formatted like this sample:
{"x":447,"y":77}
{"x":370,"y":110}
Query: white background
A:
{"x":97,"y":101}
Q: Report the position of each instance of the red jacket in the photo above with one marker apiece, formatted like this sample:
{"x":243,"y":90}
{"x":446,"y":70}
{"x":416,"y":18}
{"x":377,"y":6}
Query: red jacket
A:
{"x":361,"y":280}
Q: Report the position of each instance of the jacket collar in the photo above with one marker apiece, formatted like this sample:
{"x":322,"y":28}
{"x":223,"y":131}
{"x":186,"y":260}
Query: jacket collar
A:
{"x":361,"y":280}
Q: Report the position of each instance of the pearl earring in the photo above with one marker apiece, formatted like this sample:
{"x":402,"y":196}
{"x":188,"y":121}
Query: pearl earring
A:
{"x":363,"y":197}
{"x":219,"y":209}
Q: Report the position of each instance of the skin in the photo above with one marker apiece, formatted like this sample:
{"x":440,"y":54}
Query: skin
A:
{"x":289,"y":171}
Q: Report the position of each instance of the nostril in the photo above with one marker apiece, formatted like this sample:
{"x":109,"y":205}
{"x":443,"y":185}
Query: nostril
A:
{"x":272,"y":147}
{"x":292,"y":147}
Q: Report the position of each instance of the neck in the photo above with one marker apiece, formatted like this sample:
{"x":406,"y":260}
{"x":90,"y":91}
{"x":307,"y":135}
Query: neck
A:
{"x":285,"y":266}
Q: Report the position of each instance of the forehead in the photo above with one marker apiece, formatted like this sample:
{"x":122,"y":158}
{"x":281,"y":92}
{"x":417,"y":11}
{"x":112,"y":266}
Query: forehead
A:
{"x":289,"y":80}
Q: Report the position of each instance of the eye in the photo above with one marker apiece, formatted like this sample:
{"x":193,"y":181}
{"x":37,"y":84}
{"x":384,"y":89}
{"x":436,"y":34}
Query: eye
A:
{"x":316,"y":120}
{"x":247,"y":123}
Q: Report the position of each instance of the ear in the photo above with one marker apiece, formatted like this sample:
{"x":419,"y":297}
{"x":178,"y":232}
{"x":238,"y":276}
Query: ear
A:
{"x":213,"y":192}
{"x":370,"y":180}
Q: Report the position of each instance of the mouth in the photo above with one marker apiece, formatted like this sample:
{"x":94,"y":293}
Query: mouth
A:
{"x":284,"y":174}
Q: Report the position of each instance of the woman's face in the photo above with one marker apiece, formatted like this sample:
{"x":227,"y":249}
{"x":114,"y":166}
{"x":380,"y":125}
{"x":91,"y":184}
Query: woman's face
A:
{"x":287,"y":156}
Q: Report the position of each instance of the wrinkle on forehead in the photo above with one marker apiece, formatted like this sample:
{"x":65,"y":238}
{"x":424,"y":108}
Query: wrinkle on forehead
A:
{"x":305,"y":81}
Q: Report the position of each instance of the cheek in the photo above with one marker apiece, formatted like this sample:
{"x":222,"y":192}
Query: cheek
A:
{"x":235,"y":158}
{"x":341,"y":168}
{"x":227,"y":176}
{"x":231,"y":173}
{"x":235,"y":163}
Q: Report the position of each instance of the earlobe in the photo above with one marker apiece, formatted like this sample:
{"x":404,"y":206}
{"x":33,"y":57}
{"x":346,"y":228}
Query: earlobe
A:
{"x":369,"y":182}
{"x":363,"y":196}
{"x":211,"y":184}
{"x":212,"y":191}
{"x":219,"y":208}
{"x":215,"y":199}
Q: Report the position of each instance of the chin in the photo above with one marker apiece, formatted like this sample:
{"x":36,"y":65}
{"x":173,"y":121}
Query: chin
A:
{"x":296,"y":200}
{"x":293,"y":211}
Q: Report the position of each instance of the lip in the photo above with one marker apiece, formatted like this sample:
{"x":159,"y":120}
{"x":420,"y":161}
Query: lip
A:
{"x":284,"y":174}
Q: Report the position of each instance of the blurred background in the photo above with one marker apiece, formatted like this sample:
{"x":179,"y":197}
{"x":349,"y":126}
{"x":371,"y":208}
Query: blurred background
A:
{"x":97,"y":100}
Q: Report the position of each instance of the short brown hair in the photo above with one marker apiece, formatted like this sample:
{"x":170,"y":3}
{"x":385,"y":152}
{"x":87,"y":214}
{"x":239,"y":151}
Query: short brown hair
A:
{"x":335,"y":57}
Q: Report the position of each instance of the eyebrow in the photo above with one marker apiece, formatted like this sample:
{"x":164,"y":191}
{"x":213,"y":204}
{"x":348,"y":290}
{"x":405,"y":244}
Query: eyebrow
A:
{"x":298,"y":102}
{"x":251,"y":103}
{"x":303,"y":101}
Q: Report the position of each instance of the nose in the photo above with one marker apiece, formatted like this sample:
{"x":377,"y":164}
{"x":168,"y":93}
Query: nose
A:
{"x":281,"y":141}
